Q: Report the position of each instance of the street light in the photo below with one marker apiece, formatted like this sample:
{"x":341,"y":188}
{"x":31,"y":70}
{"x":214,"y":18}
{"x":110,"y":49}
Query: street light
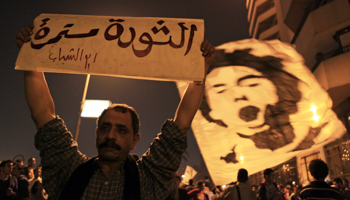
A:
{"x":89,"y":108}
{"x":92,"y":108}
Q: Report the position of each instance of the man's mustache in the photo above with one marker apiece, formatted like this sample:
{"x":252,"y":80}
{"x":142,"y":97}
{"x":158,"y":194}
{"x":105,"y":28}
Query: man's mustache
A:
{"x":110,"y":143}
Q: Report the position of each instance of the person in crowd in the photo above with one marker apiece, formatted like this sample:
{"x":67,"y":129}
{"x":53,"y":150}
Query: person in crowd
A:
{"x":217,"y":190}
{"x":8,"y":183}
{"x":19,"y":162}
{"x":280,"y":188}
{"x":318,"y":189}
{"x":338,"y":183}
{"x":114,"y":172}
{"x":30,"y":166}
{"x":182,"y":192}
{"x":208,"y":193}
{"x":345,"y":183}
{"x":287,"y":192}
{"x":37,"y":177}
{"x":23,"y":185}
{"x":268,"y":189}
{"x":37,"y":191}
{"x":190,"y":186}
{"x":207,"y":182}
{"x":255,"y":190}
{"x":198,"y":193}
{"x":239,"y":191}
{"x":296,"y":193}
{"x":29,"y":173}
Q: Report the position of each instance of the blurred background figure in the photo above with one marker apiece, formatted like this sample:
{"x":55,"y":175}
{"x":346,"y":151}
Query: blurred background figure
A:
{"x":23,"y":184}
{"x":37,"y":192}
{"x":338,"y":183}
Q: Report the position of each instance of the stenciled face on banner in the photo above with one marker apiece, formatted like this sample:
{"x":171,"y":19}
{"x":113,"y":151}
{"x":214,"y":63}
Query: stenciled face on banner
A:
{"x":253,"y":96}
{"x":262,"y":106}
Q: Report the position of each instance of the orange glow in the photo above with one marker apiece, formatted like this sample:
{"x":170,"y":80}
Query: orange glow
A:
{"x":314,"y":109}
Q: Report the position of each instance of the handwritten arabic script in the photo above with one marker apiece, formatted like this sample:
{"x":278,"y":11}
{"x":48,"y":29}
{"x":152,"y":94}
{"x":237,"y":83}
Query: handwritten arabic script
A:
{"x":71,"y":55}
{"x":148,"y":48}
{"x":145,"y":38}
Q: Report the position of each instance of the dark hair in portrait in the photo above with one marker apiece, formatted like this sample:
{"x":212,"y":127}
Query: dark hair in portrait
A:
{"x":276,"y":116}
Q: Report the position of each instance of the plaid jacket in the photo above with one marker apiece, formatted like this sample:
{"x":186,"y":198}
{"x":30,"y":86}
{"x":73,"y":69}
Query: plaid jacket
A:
{"x":60,"y":157}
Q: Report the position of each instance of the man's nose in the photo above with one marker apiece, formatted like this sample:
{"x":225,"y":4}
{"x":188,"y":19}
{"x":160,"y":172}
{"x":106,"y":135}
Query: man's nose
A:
{"x":111,"y":134}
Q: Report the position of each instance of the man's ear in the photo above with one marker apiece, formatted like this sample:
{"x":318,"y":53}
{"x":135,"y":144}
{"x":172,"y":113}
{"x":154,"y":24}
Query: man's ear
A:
{"x":136,"y":139}
{"x":96,"y":131}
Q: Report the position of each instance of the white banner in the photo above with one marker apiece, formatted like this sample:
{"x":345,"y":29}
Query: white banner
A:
{"x":262,"y":106}
{"x":147,"y":48}
{"x":189,"y":174}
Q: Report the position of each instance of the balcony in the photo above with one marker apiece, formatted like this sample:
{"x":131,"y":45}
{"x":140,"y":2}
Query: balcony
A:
{"x":333,"y":73}
{"x":255,"y":10}
{"x":265,"y":22}
{"x":316,"y":34}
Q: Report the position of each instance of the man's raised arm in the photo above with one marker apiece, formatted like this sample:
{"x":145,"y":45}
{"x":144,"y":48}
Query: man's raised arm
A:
{"x":193,"y":95}
{"x":37,"y":93}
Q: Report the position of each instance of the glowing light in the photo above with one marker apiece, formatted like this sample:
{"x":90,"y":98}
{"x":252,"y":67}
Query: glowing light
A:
{"x":183,"y":176}
{"x":314,"y":109}
{"x":93,"y":108}
{"x":223,"y":186}
{"x":242,"y":158}
{"x":293,"y":182}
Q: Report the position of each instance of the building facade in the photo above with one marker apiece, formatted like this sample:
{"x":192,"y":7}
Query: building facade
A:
{"x":320,"y":32}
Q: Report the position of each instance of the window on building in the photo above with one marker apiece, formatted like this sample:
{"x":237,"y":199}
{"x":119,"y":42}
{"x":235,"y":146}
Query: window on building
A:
{"x":305,"y":161}
{"x":338,"y":159}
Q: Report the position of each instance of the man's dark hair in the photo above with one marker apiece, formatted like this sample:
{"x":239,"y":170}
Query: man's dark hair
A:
{"x":338,"y":180}
{"x":280,"y":132}
{"x":268,"y":171}
{"x":242,"y":175}
{"x":4,"y":162}
{"x":19,"y":160}
{"x":318,"y":169}
{"x":200,"y":183}
{"x":190,"y":182}
{"x":123,"y":108}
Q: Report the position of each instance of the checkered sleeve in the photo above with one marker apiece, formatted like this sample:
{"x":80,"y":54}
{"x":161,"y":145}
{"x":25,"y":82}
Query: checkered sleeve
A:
{"x":162,"y":160}
{"x":59,"y":155}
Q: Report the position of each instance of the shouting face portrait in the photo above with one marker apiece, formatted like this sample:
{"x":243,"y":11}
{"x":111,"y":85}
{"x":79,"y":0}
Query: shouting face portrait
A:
{"x":261,"y":107}
{"x":252,"y":95}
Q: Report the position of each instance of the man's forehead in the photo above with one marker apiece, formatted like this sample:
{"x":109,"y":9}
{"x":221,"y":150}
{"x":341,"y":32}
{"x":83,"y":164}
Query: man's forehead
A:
{"x":116,"y":117}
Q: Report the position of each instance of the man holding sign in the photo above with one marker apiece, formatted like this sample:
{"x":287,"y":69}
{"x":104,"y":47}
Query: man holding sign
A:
{"x":113,"y":174}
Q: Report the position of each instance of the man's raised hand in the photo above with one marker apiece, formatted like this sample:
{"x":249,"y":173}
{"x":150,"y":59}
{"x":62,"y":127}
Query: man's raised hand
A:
{"x":24,"y":35}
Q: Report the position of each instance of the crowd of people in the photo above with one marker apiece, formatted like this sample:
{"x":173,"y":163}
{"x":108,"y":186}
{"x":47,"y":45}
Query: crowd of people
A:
{"x":21,"y":183}
{"x":25,"y":183}
{"x":268,"y":189}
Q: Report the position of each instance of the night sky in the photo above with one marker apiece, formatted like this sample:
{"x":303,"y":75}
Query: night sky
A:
{"x":155,"y":101}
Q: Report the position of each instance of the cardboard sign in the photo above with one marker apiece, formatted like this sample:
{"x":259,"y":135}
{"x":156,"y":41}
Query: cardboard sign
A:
{"x":262,"y":106}
{"x":147,"y":48}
